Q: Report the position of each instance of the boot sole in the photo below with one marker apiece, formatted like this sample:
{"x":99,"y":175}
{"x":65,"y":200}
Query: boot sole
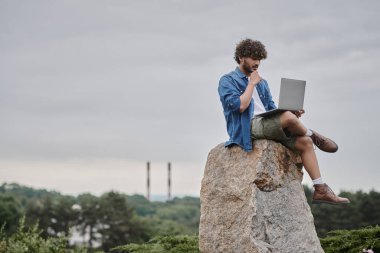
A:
{"x":328,"y":202}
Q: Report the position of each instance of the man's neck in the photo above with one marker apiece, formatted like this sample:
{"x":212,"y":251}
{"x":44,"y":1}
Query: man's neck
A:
{"x":243,"y":71}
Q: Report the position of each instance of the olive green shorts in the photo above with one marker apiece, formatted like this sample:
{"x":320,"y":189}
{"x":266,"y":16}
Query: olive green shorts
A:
{"x":270,"y":128}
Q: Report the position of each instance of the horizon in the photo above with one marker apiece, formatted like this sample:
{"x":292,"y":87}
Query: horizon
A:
{"x":154,"y":197}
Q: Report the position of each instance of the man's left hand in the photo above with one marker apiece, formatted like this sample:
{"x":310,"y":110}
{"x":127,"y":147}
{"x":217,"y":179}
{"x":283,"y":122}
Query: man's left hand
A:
{"x":299,"y":113}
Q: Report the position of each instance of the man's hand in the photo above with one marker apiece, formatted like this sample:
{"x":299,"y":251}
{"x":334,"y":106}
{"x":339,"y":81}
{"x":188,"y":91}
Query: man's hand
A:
{"x":254,"y":78}
{"x":299,"y":113}
{"x":245,"y":98}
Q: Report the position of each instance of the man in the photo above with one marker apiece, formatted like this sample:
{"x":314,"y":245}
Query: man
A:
{"x":244,"y":94}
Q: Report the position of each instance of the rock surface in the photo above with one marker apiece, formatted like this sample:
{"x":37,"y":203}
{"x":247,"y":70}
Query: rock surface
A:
{"x":254,"y":202}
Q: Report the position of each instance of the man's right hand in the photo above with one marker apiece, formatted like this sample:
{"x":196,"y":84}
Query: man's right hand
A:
{"x":254,"y":78}
{"x":245,"y":98}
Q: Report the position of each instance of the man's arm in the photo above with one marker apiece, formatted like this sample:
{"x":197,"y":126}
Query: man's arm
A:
{"x":246,"y":97}
{"x":229,"y":94}
{"x":271,"y":104}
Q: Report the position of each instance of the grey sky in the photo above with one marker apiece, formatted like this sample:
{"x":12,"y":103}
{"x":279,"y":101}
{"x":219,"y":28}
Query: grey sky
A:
{"x":90,"y":90}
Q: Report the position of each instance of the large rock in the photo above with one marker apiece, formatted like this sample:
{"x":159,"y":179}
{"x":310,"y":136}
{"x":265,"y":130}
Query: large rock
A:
{"x":254,"y":202}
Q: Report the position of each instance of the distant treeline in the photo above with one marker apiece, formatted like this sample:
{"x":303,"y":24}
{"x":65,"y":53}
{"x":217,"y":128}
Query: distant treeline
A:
{"x":104,"y":222}
{"x":114,"y":218}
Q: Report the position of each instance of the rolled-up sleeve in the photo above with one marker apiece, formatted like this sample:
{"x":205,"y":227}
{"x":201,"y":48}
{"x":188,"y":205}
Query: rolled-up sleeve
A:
{"x":229,"y":94}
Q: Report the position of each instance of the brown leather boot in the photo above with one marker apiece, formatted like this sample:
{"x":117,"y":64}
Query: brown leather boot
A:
{"x":323,"y":143}
{"x":324,"y":194}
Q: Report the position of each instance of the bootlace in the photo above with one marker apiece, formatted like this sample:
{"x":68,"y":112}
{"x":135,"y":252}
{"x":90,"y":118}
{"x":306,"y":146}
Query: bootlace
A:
{"x":331,"y":191}
{"x":319,"y":140}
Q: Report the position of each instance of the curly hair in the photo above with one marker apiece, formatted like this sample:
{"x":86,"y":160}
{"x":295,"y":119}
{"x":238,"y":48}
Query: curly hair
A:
{"x":250,"y":48}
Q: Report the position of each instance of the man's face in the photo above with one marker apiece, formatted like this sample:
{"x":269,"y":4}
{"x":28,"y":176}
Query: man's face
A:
{"x":249,"y":65}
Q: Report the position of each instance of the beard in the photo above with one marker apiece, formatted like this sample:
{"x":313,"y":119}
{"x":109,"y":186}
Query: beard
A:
{"x":248,"y":70}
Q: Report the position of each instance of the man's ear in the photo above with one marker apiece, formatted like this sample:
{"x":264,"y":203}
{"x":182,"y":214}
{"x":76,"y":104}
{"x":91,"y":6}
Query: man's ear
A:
{"x":241,"y":59}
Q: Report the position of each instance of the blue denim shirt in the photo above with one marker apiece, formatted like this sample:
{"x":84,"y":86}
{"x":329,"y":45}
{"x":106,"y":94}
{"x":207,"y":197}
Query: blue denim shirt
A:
{"x":231,"y":87}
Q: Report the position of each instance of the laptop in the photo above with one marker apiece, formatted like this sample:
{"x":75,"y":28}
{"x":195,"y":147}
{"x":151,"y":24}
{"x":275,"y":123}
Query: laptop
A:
{"x":292,"y":93}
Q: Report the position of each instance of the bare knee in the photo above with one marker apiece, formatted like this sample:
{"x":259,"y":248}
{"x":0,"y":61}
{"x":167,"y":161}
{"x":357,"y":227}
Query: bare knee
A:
{"x":304,"y":143}
{"x":288,"y":119}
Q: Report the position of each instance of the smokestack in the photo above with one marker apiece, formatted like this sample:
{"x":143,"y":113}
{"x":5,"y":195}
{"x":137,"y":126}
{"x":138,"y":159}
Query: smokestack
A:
{"x":148,"y":180}
{"x":169,"y":181}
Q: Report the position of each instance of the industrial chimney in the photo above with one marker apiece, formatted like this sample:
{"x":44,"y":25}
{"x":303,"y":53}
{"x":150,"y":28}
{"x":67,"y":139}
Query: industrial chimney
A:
{"x":148,"y":180}
{"x":169,"y":181}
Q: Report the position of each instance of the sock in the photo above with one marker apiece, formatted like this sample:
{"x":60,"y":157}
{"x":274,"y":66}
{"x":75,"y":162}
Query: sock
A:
{"x":309,"y":132}
{"x":318,"y":181}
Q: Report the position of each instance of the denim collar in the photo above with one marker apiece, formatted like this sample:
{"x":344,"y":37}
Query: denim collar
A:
{"x":240,"y":73}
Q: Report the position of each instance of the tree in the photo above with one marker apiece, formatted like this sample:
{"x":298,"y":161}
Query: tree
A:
{"x":64,"y":216}
{"x":41,"y":211}
{"x":88,"y":220}
{"x":54,"y":213}
{"x":118,"y":224}
{"x":10,"y":213}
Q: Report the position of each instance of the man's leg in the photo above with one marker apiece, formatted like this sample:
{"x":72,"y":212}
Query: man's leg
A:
{"x":304,"y":144}
{"x":290,"y":122}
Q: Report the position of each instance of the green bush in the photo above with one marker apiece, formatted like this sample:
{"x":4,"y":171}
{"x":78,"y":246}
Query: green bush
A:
{"x":163,"y":244}
{"x":352,"y":241}
{"x":338,"y":241}
{"x":29,"y":240}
